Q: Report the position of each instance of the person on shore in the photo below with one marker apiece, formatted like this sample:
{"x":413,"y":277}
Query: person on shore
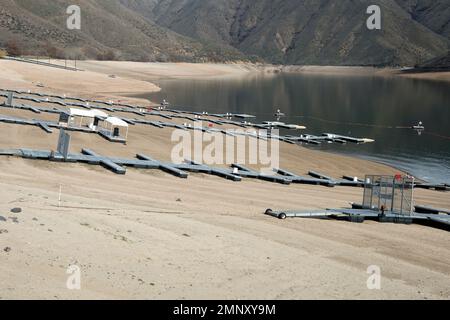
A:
{"x":383,"y":211}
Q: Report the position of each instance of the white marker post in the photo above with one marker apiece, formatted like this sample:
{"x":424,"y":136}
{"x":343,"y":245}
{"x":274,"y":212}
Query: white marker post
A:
{"x":59,"y":196}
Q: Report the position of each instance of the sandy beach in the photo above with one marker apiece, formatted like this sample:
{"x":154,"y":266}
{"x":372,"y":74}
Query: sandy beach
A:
{"x":433,"y":76}
{"x":149,"y":235}
{"x":117,"y":80}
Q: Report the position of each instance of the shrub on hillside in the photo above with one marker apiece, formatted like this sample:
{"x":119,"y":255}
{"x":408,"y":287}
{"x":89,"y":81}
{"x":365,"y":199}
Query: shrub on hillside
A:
{"x":108,"y":55}
{"x":3,"y":53}
{"x":13,"y":48}
{"x":54,"y":52}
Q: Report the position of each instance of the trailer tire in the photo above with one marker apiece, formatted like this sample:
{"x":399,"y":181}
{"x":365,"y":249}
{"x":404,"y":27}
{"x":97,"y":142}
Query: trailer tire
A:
{"x":268,"y":211}
{"x":282,"y":216}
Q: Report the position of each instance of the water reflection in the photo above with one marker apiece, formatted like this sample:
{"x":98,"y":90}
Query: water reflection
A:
{"x":374,"y":107}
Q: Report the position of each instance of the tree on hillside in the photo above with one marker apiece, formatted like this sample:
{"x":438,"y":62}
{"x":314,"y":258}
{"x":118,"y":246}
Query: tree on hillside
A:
{"x":13,"y":48}
{"x":108,"y":55}
{"x":53,"y":51}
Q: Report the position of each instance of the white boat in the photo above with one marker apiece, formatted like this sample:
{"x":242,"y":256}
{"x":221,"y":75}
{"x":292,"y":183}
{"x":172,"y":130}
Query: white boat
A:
{"x":279,"y":114}
{"x":419,"y":126}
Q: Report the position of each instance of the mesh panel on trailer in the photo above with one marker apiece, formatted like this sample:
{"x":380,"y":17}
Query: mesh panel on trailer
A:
{"x":394,"y":194}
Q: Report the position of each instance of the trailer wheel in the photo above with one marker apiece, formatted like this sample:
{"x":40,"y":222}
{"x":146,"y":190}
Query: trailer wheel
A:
{"x":269,"y":211}
{"x":282,"y":216}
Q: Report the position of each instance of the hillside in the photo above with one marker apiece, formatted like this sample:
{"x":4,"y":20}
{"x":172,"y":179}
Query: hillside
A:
{"x":441,"y":63}
{"x":433,"y":14}
{"x":321,"y":32}
{"x":308,"y":31}
{"x":108,"y":30}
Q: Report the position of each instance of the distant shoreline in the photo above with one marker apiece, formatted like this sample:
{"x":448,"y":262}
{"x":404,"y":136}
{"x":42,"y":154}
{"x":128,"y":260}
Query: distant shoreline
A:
{"x":140,"y":76}
{"x":125,"y":81}
{"x":435,"y":75}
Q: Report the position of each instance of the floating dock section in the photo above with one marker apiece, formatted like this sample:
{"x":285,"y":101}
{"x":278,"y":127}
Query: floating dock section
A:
{"x":284,"y":177}
{"x":431,"y":210}
{"x":224,"y":119}
{"x":118,"y":165}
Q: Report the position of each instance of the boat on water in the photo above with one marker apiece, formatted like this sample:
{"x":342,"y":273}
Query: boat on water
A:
{"x":273,"y":123}
{"x":279,"y":114}
{"x":419,"y":126}
{"x":283,"y":125}
{"x":164,"y":105}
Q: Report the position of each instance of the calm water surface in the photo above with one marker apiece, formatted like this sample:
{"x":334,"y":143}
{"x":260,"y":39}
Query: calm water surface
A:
{"x":362,"y":106}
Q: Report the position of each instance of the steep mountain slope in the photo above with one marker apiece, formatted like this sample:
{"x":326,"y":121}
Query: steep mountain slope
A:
{"x":431,"y":13}
{"x":323,"y":32}
{"x":308,"y":31}
{"x":437,"y":64}
{"x":144,"y":7}
{"x":106,"y":25}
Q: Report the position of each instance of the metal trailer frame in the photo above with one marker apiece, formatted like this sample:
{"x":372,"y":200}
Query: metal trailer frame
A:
{"x":360,"y":215}
{"x":379,"y":191}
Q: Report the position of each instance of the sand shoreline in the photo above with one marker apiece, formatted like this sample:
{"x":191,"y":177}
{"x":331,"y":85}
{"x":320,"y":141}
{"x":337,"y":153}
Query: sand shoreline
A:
{"x":108,"y":79}
{"x":139,"y":79}
{"x":150,"y":235}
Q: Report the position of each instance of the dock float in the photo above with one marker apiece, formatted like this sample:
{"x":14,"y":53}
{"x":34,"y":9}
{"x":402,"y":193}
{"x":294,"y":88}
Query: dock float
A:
{"x":333,"y":136}
{"x":315,"y":174}
{"x":175,"y":171}
{"x":189,"y":115}
{"x":7,"y":152}
{"x":117,"y":165}
{"x":430,"y":210}
{"x":38,"y":123}
{"x":429,"y":186}
{"x":44,"y":126}
{"x":225,"y":174}
{"x":243,"y":116}
{"x":108,"y":136}
{"x":249,"y":173}
{"x":165,"y":167}
{"x":105,"y":162}
{"x":353,"y":179}
{"x":34,"y":154}
{"x":304,"y":180}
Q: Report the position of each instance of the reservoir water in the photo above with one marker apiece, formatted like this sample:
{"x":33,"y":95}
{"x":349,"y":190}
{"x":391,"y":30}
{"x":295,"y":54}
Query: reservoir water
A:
{"x":381,"y":108}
